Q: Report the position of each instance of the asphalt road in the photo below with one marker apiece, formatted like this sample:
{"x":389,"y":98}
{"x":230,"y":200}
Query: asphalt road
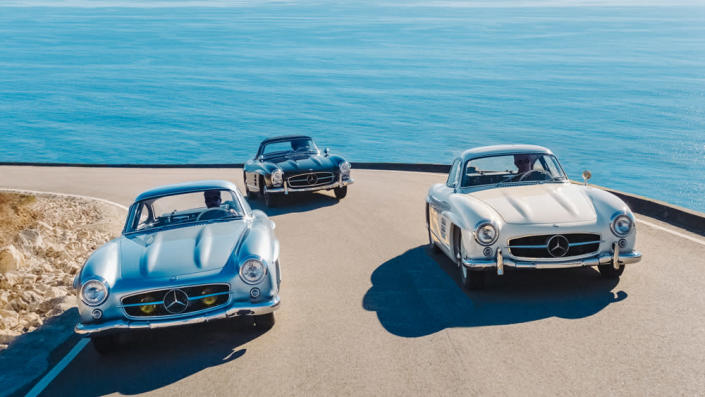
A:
{"x":368,"y":310}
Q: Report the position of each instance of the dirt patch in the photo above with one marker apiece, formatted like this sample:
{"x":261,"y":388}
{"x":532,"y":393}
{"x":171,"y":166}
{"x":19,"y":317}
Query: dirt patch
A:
{"x":44,"y":241}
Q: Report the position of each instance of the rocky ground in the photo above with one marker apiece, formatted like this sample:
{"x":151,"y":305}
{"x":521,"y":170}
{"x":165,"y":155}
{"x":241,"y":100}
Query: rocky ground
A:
{"x":44,"y":240}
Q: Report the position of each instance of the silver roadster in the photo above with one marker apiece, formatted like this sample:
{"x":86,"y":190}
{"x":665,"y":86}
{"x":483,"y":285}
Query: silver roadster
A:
{"x":189,"y":253}
{"x":513,"y":206}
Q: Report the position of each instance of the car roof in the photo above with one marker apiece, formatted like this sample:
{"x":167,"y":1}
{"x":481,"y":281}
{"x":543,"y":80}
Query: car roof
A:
{"x":283,"y":138}
{"x":497,"y":150}
{"x":186,"y":187}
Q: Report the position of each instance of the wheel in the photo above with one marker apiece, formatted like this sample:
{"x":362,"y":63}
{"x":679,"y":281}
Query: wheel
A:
{"x":105,"y":344}
{"x":608,"y":271}
{"x":431,"y":243}
{"x":340,"y":192}
{"x":264,"y":321}
{"x":470,"y":279}
{"x":268,"y":198}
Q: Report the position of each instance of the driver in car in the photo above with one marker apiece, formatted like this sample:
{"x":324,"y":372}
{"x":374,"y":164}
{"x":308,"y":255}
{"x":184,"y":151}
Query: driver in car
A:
{"x":212,"y":198}
{"x":524,"y":162}
{"x":300,"y":145}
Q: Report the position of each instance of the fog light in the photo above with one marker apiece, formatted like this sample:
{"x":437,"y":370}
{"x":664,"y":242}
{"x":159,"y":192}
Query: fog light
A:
{"x":622,"y":243}
{"x":254,"y":293}
{"x":208,"y":300}
{"x":147,"y":309}
{"x":487,"y":252}
{"x":97,"y":314}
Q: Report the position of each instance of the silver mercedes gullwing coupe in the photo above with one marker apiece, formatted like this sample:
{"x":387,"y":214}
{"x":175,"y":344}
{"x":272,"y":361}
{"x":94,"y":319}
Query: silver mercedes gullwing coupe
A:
{"x":189,"y":253}
{"x":513,"y":206}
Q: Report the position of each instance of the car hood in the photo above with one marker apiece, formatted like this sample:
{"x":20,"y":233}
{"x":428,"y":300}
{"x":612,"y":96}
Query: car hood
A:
{"x":179,"y":251}
{"x":304,"y":163}
{"x":541,"y":203}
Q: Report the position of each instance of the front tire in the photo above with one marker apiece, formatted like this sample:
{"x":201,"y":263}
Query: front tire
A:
{"x":264,"y":321}
{"x":608,"y":271}
{"x":268,"y":198}
{"x":340,"y":192}
{"x":470,"y":280}
{"x":105,"y":344}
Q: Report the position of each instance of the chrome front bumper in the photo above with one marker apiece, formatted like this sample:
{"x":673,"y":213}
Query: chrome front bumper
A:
{"x":227,"y":312}
{"x":286,"y":189}
{"x":614,"y":258}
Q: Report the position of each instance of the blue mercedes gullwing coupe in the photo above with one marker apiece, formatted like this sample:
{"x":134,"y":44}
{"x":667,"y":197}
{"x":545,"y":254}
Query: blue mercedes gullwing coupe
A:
{"x":189,"y":253}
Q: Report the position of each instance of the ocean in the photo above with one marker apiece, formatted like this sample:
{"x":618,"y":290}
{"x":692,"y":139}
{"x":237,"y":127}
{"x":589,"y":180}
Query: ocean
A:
{"x":614,"y":87}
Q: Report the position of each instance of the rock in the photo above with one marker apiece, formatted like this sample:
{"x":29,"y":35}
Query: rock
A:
{"x":10,"y":259}
{"x":32,"y":320}
{"x":7,"y":336}
{"x":60,"y":305}
{"x":9,"y":280}
{"x":8,"y":319}
{"x":31,"y":238}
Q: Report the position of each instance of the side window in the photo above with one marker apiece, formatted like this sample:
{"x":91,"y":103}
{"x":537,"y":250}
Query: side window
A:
{"x":453,"y":174}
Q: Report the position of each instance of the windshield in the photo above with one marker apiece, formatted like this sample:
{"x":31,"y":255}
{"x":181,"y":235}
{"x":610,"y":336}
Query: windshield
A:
{"x":184,"y":209}
{"x":513,"y":168}
{"x":294,"y":145}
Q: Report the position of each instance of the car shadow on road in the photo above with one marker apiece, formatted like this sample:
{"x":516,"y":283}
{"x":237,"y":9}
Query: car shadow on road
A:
{"x":418,"y":293}
{"x":295,"y":202}
{"x":149,"y":361}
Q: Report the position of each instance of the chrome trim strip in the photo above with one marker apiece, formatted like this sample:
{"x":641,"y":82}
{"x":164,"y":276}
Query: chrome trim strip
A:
{"x":143,"y":304}
{"x":312,"y":189}
{"x":602,"y":259}
{"x":233,"y":311}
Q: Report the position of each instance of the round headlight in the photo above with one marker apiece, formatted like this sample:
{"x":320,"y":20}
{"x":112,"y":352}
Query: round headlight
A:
{"x":622,"y":225}
{"x":94,"y":292}
{"x":277,"y":177}
{"x":486,"y":234}
{"x":345,"y":168}
{"x":252,"y":271}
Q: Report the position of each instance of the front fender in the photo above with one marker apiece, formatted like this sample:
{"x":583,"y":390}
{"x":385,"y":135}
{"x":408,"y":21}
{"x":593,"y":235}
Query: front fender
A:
{"x":103,"y":264}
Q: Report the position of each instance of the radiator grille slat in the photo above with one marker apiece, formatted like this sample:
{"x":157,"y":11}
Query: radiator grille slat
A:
{"x":311,"y":179}
{"x":537,"y":246}
{"x":153,"y":303}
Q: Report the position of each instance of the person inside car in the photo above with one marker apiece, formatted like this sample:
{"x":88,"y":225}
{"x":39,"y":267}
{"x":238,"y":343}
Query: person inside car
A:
{"x":524,"y":162}
{"x":212,"y":198}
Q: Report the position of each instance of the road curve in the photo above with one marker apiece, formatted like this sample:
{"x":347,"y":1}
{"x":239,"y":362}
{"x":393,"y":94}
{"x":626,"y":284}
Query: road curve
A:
{"x":367,"y":309}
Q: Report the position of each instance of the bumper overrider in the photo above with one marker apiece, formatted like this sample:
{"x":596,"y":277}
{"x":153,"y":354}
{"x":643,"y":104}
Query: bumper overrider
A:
{"x":615,"y":258}
{"x":286,"y":189}
{"x":234,"y":310}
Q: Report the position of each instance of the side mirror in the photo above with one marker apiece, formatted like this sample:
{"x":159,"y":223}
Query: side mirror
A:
{"x":326,"y":151}
{"x":260,"y":158}
{"x":586,"y":176}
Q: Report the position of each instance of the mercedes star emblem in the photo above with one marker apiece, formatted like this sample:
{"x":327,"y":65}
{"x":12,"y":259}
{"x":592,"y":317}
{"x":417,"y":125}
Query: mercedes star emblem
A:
{"x":312,"y":179}
{"x":175,"y":301}
{"x":558,"y":246}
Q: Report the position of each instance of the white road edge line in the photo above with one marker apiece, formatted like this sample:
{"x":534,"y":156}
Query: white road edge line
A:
{"x":46,"y":380}
{"x":665,"y":229}
{"x":11,"y":190}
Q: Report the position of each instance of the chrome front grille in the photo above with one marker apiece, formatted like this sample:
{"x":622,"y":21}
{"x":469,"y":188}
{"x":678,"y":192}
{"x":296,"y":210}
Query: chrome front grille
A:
{"x":311,"y":179}
{"x":176,"y":301}
{"x":538,"y":246}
